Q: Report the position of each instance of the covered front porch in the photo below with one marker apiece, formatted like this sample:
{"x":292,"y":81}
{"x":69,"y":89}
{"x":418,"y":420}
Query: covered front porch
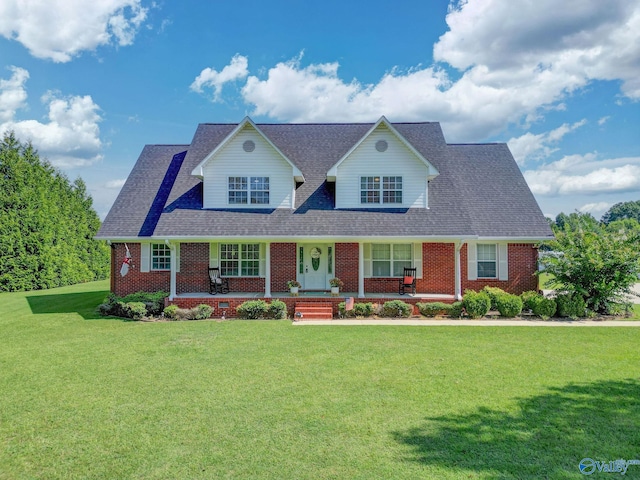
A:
{"x":224,"y":305}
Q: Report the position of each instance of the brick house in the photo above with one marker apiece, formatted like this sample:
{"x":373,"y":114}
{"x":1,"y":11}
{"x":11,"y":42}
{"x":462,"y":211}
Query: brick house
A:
{"x":268,"y":203}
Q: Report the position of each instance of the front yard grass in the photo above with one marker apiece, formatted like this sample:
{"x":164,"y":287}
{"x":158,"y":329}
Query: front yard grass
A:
{"x":86,"y":397}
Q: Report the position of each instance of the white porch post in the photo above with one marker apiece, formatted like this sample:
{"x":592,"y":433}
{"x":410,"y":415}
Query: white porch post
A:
{"x":174,"y":259}
{"x":360,"y":270}
{"x":458,"y":275}
{"x":267,"y":271}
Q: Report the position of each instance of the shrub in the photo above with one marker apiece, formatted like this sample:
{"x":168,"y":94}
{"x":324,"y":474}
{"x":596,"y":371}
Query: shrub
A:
{"x":529,"y":299}
{"x":396,"y":308}
{"x":359,"y":310}
{"x":252,"y":309}
{"x":456,"y":310}
{"x":509,"y":305}
{"x":277,"y":310}
{"x":494,"y":293}
{"x":134,"y":310}
{"x":201,"y":312}
{"x":476,"y":304}
{"x":171,"y":312}
{"x":117,"y":306}
{"x":431,"y":309}
{"x":544,"y":307}
{"x":571,"y":305}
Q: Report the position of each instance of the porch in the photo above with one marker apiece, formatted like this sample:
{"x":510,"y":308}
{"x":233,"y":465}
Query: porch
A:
{"x":224,"y":305}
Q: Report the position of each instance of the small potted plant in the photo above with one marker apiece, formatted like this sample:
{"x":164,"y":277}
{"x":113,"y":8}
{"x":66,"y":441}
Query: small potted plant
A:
{"x":293,"y":285}
{"x":336,"y":284}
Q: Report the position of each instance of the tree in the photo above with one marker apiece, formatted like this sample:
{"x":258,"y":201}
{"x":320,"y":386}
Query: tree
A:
{"x":621,"y":211}
{"x":599,"y":264}
{"x":48,"y":224}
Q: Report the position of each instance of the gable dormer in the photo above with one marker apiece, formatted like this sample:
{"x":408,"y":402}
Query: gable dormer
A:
{"x":247,"y":171}
{"x":382,"y":170}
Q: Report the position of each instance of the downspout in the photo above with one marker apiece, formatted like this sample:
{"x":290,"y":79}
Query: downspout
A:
{"x":172,"y":287}
{"x":360,"y":270}
{"x":458,"y":270}
{"x":267,"y":271}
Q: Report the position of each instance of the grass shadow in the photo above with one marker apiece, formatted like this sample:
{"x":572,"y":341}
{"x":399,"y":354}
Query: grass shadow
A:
{"x":546,"y":437}
{"x":84,"y":304}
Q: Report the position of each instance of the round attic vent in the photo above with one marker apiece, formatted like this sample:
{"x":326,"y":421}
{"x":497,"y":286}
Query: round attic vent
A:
{"x":382,"y":145}
{"x":248,"y":146}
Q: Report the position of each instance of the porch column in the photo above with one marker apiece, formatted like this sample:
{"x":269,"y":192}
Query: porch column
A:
{"x":172,"y":287}
{"x":267,"y":271}
{"x":458,"y":275}
{"x":360,"y":270}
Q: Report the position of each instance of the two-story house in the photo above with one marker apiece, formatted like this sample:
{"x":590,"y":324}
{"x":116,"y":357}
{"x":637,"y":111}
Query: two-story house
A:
{"x":268,"y":203}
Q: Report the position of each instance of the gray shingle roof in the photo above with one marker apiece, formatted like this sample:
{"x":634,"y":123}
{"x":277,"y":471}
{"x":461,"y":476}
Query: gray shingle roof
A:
{"x":480,"y":191}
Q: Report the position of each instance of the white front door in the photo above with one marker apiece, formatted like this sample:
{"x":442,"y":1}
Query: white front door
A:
{"x":315,"y":266}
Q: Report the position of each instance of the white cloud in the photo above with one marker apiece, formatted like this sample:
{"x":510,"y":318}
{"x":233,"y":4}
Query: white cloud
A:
{"x":585,"y":174}
{"x":13,"y":93}
{"x":70,"y":137}
{"x":210,"y":78}
{"x":536,"y":147}
{"x":516,"y":61}
{"x":115,"y":183}
{"x":61,"y":29}
{"x":595,"y":209}
{"x":603,"y":120}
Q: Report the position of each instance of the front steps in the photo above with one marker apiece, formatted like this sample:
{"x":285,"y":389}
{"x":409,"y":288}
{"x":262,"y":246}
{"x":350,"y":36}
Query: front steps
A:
{"x":313,"y":311}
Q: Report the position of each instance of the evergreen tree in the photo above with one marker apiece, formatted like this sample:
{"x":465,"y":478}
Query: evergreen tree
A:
{"x":47,"y":224}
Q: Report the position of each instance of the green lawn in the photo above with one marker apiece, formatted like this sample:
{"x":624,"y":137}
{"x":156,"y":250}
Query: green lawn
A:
{"x":85,"y":397}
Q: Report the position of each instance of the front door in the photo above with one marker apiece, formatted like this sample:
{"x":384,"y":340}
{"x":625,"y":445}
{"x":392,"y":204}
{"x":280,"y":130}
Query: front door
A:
{"x":315,"y":265}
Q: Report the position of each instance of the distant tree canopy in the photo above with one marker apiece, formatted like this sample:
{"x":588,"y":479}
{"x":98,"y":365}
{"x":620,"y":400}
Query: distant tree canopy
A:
{"x":47,"y":224}
{"x":622,"y":211}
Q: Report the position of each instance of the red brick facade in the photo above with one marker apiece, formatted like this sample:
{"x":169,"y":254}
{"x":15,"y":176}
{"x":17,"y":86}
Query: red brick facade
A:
{"x":438,"y":271}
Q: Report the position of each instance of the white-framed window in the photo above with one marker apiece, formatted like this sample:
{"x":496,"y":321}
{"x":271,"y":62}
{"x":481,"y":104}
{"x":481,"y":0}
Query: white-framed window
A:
{"x":487,"y":260}
{"x":160,"y":256}
{"x":248,"y":190}
{"x":389,"y":260}
{"x":240,"y":259}
{"x":376,"y":189}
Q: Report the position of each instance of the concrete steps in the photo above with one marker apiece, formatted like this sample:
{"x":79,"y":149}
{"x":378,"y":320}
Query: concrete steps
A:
{"x":313,"y":311}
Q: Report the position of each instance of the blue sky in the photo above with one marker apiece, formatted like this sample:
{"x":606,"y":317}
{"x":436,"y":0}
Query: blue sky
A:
{"x":91,"y":83}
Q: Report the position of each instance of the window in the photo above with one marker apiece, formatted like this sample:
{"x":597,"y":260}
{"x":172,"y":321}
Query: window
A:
{"x":389,"y":260}
{"x":375,"y":189}
{"x":160,"y":256}
{"x":487,"y":261}
{"x":240,"y":259}
{"x":245,"y":190}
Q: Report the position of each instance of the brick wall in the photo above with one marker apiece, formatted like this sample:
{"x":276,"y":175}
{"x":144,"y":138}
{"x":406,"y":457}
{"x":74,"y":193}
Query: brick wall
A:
{"x":135,"y":281}
{"x":347,"y":260}
{"x":283,"y":266}
{"x":438,"y":268}
{"x":523,"y":262}
{"x":194,"y":268}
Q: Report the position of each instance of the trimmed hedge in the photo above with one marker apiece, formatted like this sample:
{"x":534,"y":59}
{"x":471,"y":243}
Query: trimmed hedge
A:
{"x":476,"y":304}
{"x":431,"y":309}
{"x":259,"y":309}
{"x":494,"y":293}
{"x":396,"y":308}
{"x":508,"y":305}
{"x":359,"y":310}
{"x":456,"y":310}
{"x":135,"y":306}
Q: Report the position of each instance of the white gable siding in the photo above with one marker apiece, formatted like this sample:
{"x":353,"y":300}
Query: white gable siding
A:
{"x":397,"y":160}
{"x":233,"y":161}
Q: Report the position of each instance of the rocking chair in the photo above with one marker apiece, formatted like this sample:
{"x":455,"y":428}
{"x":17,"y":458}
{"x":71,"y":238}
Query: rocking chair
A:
{"x":408,"y":281}
{"x":217,"y":284}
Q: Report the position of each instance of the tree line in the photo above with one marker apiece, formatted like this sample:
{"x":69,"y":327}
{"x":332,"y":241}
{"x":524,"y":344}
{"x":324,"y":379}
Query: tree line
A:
{"x":47,"y":224}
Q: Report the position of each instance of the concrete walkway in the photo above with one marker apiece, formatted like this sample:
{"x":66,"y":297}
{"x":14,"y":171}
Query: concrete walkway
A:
{"x":473,"y":323}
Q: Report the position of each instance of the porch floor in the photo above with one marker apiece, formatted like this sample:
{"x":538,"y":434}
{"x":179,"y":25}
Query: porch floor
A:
{"x":327,"y":295}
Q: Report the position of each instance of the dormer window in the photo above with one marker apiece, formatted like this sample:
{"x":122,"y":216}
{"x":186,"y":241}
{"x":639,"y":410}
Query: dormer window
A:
{"x":378,"y":190}
{"x":245,"y":190}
